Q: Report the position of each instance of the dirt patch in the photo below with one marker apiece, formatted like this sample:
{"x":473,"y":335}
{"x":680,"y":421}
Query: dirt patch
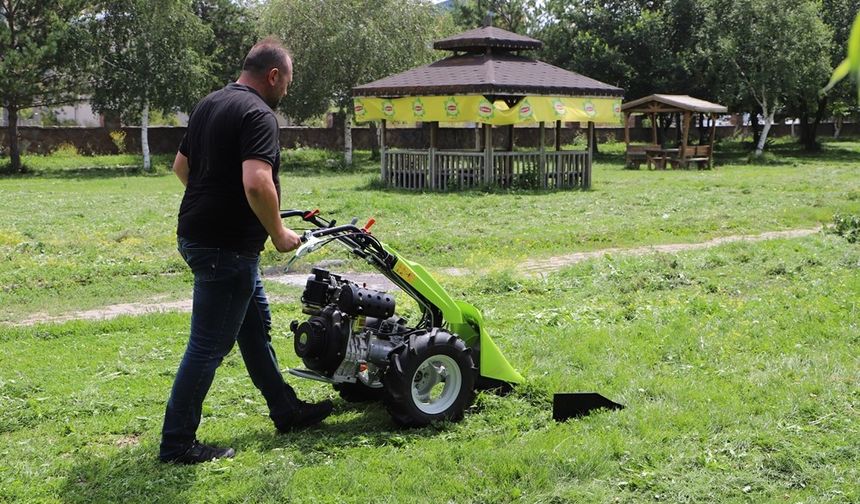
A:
{"x":379,"y":282}
{"x":129,"y":440}
{"x":541,"y":266}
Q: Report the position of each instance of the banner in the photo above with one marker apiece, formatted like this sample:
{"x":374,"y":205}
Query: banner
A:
{"x":477,"y":109}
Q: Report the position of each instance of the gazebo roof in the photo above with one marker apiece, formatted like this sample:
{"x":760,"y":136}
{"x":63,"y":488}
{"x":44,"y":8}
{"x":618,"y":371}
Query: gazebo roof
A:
{"x":672,"y":103}
{"x":487,"y":36}
{"x":487,"y":68}
{"x":488,"y":74}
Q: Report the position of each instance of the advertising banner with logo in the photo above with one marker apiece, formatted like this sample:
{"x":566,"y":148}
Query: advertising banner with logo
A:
{"x":476,"y":108}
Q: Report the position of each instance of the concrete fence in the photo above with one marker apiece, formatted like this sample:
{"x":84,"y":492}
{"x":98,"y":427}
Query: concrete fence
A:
{"x":165,"y":140}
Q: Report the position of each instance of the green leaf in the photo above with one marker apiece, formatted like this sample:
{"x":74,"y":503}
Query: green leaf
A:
{"x":854,"y":44}
{"x":841,"y":71}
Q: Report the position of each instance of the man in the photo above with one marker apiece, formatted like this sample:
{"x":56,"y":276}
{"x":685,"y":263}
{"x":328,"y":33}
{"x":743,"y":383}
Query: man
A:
{"x":228,"y":162}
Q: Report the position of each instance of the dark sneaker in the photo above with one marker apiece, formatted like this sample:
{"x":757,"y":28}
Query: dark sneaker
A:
{"x":199,"y":452}
{"x":306,"y":415}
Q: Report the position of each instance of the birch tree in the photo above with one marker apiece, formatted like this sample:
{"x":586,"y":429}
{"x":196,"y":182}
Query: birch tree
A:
{"x":41,"y":63}
{"x":339,"y":44}
{"x":768,"y":50}
{"x":149,"y":58}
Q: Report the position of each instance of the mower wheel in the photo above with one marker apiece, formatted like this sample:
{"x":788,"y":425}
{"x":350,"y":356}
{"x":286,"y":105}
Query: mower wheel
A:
{"x":359,"y":392}
{"x":430,"y":379}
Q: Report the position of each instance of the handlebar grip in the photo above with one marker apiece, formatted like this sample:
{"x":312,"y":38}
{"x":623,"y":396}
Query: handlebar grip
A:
{"x":293,"y":213}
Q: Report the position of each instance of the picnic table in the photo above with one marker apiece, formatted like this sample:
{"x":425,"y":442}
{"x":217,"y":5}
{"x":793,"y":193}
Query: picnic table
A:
{"x":659,"y":157}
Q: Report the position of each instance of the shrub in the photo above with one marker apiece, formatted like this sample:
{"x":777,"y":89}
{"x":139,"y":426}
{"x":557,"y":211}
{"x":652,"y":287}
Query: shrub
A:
{"x":847,"y":226}
{"x":118,"y":139}
{"x":66,"y":149}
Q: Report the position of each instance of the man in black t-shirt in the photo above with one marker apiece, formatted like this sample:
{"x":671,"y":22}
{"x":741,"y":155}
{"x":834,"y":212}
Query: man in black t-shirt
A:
{"x":228,"y":162}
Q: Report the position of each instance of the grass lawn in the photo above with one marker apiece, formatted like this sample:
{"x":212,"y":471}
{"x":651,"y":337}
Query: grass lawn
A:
{"x":78,"y":238}
{"x":738,"y":365}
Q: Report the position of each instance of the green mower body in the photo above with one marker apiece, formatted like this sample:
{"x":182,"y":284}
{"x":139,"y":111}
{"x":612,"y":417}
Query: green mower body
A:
{"x":354,"y":339}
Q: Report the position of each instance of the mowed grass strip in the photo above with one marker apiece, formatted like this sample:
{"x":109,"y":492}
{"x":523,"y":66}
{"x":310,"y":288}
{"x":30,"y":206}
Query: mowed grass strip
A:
{"x":78,"y":238}
{"x":738,"y":366}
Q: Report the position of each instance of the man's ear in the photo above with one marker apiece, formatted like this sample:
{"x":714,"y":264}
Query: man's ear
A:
{"x":272,"y":76}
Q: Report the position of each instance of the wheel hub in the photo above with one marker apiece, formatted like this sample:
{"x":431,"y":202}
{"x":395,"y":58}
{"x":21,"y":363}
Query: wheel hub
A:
{"x":436,"y":384}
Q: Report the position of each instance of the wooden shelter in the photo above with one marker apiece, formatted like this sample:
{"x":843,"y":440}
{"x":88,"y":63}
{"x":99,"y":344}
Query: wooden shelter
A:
{"x":486,"y":81}
{"x":685,"y":153}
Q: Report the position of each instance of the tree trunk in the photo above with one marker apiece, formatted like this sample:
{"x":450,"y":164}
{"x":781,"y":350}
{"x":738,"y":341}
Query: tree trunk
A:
{"x":768,"y":122}
{"x":804,"y":128}
{"x":347,"y":138}
{"x":144,"y":137}
{"x":756,"y":130}
{"x":813,"y":135}
{"x":14,"y":152}
{"x":704,"y":131}
{"x":374,"y":141}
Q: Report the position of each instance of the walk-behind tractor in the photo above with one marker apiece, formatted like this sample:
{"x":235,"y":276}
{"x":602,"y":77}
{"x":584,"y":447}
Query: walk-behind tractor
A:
{"x":355,"y":340}
{"x":423,"y":371}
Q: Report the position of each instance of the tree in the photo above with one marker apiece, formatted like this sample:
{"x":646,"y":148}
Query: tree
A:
{"x":339,"y":44}
{"x":851,"y":64}
{"x":643,"y":46}
{"x":811,"y":106}
{"x":518,"y":16}
{"x":149,"y":58}
{"x":769,"y":50}
{"x":41,"y":63}
{"x":233,"y":26}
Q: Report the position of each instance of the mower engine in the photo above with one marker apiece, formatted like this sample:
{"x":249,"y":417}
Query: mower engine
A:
{"x":350,"y":334}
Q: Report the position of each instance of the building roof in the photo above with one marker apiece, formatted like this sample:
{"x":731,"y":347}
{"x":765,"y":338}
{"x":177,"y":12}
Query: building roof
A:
{"x":488,"y":36}
{"x":488,"y":67}
{"x":672,"y":103}
{"x":502,"y":74}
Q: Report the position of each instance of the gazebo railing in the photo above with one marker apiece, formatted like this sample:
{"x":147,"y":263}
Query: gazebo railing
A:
{"x":444,"y":170}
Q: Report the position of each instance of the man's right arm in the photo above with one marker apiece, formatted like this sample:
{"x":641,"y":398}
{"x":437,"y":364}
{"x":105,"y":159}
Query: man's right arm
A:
{"x":180,"y":168}
{"x":263,"y":198}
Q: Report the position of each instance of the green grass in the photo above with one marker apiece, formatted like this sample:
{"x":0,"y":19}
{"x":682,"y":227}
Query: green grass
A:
{"x":738,"y":364}
{"x":75,"y":242}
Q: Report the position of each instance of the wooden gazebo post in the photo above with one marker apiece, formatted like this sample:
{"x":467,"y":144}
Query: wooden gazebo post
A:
{"x":488,"y":154}
{"x":711,"y":142}
{"x":434,"y":127}
{"x":382,"y":153}
{"x":685,"y":133}
{"x":653,"y":117}
{"x":586,"y":173}
{"x":541,"y":150}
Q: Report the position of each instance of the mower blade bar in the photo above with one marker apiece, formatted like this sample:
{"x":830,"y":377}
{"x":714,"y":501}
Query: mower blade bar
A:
{"x":577,"y":404}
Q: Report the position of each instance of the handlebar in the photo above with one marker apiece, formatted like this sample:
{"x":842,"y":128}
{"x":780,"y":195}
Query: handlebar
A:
{"x":359,"y":240}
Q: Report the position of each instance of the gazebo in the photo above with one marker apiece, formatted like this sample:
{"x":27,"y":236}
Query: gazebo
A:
{"x":685,"y":153}
{"x":486,"y":81}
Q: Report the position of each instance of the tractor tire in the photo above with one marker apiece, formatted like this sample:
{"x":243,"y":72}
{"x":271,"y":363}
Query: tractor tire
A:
{"x":359,"y":392}
{"x":430,"y":379}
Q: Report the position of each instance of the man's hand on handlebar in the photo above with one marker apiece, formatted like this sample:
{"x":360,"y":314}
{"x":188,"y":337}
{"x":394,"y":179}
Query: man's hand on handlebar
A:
{"x":286,"y":241}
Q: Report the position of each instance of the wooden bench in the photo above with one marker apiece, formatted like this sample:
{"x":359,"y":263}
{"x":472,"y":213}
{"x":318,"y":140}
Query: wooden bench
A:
{"x":635,"y":155}
{"x":699,"y":154}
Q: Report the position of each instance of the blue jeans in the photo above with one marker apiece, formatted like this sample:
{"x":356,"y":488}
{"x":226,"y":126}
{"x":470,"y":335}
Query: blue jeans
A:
{"x":229,"y":305}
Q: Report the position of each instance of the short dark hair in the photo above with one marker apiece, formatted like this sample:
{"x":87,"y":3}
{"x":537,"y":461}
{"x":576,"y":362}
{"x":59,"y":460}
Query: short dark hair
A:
{"x":266,"y":54}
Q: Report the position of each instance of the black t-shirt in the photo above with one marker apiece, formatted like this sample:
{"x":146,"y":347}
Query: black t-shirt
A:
{"x":227,"y":127}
